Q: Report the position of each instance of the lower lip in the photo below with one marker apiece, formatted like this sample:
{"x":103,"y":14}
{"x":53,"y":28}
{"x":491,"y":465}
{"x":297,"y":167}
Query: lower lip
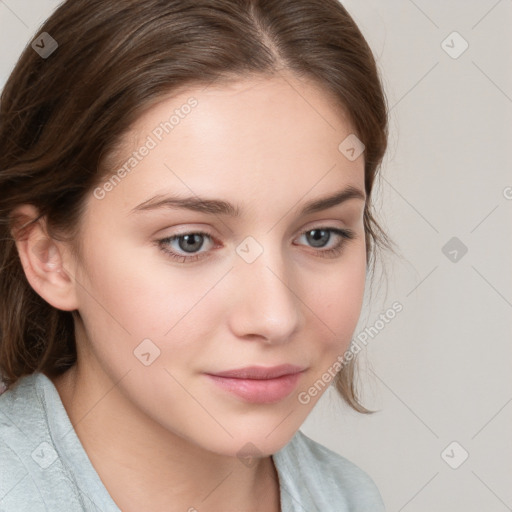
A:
{"x":259,"y":391}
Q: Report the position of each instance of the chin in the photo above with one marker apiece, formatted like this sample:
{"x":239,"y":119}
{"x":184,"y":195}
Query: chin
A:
{"x":263,"y":436}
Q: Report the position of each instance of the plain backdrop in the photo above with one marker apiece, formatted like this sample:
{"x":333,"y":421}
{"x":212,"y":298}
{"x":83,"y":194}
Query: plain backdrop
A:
{"x":439,"y":372}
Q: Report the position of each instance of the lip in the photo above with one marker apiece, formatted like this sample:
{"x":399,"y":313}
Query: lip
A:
{"x":259,"y":384}
{"x":260,"y":372}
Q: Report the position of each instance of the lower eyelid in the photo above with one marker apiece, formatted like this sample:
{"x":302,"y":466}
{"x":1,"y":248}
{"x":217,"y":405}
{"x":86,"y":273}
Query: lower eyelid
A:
{"x":344,"y":235}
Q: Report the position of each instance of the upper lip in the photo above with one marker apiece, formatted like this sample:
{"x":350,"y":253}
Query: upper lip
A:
{"x":260,"y":372}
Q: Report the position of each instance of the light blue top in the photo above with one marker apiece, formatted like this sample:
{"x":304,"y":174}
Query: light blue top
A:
{"x":44,"y":467}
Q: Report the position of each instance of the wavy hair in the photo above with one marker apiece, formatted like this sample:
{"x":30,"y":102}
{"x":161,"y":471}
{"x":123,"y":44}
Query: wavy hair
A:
{"x":62,"y":116}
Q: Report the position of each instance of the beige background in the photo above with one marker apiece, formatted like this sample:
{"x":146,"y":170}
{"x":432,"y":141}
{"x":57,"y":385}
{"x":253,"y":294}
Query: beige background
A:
{"x":440,"y":371}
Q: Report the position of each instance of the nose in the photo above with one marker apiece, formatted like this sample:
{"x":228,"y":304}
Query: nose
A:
{"x":266,"y":299}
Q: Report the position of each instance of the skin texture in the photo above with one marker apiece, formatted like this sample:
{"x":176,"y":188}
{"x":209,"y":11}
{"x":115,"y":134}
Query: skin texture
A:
{"x":164,"y":435}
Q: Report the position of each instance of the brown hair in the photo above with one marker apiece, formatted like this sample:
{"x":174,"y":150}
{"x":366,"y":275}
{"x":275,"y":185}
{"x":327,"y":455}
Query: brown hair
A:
{"x":62,"y":116}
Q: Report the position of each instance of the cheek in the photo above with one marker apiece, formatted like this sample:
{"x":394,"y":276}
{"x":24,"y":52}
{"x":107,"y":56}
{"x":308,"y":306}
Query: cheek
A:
{"x":336,"y":299}
{"x":131,"y":294}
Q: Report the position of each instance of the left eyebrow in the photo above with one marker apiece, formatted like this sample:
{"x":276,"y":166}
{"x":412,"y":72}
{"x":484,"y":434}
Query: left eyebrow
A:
{"x":219,"y":207}
{"x":318,"y":205}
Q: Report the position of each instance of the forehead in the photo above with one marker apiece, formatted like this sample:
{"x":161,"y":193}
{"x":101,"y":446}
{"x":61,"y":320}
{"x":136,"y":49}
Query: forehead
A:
{"x":267,"y":111}
{"x":256,"y":137}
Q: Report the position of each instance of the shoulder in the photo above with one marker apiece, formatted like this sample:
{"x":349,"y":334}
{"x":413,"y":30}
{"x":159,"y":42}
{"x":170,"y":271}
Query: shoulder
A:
{"x":18,"y":491}
{"x":328,"y":476}
{"x":30,"y":470}
{"x":20,"y":405}
{"x":23,"y":418}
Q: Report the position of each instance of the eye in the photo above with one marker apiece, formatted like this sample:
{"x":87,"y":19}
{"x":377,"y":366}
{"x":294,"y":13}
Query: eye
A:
{"x":187,"y":242}
{"x":190,"y":243}
{"x":320,"y":236}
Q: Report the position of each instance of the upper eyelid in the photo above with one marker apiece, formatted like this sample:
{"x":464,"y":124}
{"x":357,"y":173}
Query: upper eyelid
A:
{"x":195,"y":231}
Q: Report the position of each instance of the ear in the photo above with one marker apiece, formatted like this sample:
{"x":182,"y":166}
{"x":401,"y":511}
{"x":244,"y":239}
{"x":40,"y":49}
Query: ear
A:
{"x":44,"y":261}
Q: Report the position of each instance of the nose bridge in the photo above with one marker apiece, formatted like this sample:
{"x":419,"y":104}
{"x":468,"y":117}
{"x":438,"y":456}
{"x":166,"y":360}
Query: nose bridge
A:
{"x":267,"y":303}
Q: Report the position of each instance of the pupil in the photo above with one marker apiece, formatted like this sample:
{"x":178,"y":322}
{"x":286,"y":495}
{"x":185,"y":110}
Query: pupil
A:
{"x":190,"y":246}
{"x":322,"y":238}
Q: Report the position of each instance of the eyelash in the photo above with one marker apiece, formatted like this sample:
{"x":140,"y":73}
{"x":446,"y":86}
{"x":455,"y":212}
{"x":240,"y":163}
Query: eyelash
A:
{"x":345,"y":234}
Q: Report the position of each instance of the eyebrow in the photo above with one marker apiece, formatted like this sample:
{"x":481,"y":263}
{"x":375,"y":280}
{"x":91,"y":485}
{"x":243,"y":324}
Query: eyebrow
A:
{"x":220,"y":207}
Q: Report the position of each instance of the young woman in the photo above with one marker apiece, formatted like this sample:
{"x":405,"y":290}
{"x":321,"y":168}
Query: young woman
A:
{"x":187,"y":228}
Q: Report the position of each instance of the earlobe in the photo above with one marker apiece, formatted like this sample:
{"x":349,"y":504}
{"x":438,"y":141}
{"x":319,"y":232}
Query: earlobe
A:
{"x":43,"y":261}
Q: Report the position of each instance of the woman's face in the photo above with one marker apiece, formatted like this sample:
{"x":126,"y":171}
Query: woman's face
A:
{"x":273,"y":285}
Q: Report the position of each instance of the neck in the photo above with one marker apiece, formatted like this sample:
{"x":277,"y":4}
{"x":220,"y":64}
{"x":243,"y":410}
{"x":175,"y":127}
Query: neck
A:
{"x":147,"y":467}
